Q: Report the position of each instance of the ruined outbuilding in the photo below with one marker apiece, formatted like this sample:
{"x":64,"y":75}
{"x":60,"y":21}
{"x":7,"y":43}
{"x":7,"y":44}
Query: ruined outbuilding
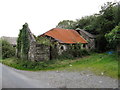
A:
{"x":64,"y":38}
{"x":35,"y":51}
{"x":60,"y":40}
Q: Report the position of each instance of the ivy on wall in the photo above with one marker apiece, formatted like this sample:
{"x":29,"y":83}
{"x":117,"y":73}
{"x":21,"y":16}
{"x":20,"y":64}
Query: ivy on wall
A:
{"x":43,"y":40}
{"x":23,"y":43}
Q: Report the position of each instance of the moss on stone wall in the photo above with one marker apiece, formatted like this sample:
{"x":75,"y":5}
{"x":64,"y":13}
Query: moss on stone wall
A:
{"x":23,"y":43}
{"x":43,"y":40}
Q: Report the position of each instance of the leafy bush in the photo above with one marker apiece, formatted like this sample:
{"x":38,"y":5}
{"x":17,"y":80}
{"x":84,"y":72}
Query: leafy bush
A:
{"x":43,"y":40}
{"x":7,"y":49}
{"x":113,"y":37}
{"x":84,"y":52}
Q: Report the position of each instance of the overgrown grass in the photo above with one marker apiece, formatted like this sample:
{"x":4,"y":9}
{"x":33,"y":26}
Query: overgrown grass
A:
{"x":97,"y":63}
{"x":35,"y":66}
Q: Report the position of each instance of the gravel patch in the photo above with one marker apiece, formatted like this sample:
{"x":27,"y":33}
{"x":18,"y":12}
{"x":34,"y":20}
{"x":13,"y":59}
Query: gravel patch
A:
{"x":62,"y":79}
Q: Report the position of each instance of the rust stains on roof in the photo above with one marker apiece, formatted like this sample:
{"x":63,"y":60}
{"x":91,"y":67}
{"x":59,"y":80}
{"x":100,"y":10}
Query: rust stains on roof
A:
{"x":65,"y":36}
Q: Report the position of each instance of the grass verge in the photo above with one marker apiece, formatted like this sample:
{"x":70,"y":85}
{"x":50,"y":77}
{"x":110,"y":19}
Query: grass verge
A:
{"x":97,"y":63}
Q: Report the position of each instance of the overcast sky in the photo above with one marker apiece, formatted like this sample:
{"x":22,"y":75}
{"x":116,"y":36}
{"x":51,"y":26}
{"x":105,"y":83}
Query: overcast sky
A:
{"x":42,"y":15}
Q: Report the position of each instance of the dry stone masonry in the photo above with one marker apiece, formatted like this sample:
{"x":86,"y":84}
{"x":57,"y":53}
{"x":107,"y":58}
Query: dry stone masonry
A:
{"x":36,"y":51}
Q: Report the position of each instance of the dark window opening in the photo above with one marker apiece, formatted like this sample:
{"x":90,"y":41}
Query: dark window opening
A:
{"x":62,"y":48}
{"x":84,"y":45}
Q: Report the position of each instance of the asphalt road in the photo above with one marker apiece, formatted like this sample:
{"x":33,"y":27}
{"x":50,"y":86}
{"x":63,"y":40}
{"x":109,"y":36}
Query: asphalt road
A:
{"x":13,"y":78}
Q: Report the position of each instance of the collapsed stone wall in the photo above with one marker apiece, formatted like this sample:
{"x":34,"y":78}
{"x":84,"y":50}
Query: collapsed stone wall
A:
{"x":38,"y":51}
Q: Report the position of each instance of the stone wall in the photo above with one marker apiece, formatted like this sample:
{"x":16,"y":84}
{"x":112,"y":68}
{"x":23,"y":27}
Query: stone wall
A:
{"x":42,"y":52}
{"x":32,"y":50}
{"x":39,"y":52}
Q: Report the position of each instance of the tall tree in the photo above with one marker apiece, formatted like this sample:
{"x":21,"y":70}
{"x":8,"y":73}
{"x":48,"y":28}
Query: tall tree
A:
{"x":84,"y":21}
{"x":116,"y":10}
{"x":66,"y":24}
{"x":98,"y":24}
{"x":105,"y":24}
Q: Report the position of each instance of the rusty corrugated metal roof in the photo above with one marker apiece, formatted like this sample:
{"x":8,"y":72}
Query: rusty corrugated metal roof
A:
{"x":65,"y":36}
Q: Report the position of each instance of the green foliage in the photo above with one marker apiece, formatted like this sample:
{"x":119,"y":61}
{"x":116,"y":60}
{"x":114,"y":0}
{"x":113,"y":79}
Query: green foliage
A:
{"x":105,"y":22}
{"x":32,"y":65}
{"x":74,"y":51}
{"x":19,"y":42}
{"x":23,"y":43}
{"x":116,"y":10}
{"x":25,"y":40}
{"x":43,"y":40}
{"x":85,"y":21}
{"x":7,"y":49}
{"x":113,"y":37}
{"x":101,"y":43}
{"x":99,"y":24}
{"x":102,"y":24}
{"x":66,"y":24}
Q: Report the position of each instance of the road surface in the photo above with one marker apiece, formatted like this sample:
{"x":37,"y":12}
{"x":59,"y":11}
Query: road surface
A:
{"x":13,"y":78}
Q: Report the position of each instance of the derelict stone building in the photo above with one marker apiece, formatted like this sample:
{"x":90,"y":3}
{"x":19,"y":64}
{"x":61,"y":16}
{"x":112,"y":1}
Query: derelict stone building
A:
{"x":28,"y":48}
{"x":61,"y":40}
{"x":62,"y":37}
{"x":37,"y":52}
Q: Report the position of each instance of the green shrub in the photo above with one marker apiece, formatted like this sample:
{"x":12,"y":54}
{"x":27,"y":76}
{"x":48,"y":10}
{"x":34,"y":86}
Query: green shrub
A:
{"x":73,"y":52}
{"x":79,"y":52}
{"x":7,"y":49}
{"x":65,"y":55}
{"x":43,"y":40}
{"x":84,"y":52}
{"x":113,"y":37}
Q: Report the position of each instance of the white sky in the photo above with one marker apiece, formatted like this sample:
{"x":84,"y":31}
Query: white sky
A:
{"x":42,"y":15}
